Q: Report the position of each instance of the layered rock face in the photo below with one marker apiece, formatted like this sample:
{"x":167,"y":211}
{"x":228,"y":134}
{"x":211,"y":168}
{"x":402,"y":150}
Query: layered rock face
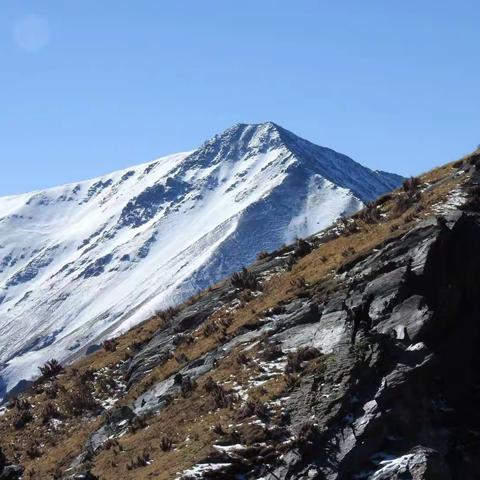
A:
{"x":397,"y":394}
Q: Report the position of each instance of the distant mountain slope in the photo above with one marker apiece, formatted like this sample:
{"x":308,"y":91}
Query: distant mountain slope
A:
{"x":82,"y":261}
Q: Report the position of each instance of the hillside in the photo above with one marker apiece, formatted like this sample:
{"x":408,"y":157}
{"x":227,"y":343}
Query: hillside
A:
{"x":351,"y":354}
{"x":85,"y":261}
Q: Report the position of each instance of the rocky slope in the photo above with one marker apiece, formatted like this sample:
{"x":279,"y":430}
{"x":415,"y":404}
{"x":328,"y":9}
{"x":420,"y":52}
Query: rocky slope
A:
{"x":89,"y":260}
{"x":353,"y":354}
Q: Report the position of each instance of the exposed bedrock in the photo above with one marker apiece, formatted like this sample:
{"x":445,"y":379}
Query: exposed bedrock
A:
{"x":398,"y":392}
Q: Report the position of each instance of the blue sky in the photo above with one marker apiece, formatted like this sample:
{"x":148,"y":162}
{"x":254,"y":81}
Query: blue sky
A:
{"x":93,"y":86}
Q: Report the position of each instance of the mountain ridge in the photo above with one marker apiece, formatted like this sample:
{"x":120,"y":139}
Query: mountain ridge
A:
{"x":76,"y":258}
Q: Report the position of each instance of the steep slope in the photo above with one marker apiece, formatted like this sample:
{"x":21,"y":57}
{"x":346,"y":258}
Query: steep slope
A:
{"x":86,"y":260}
{"x":351,"y":355}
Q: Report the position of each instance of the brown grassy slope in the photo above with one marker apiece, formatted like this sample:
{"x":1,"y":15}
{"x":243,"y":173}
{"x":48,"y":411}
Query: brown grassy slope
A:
{"x":46,"y":450}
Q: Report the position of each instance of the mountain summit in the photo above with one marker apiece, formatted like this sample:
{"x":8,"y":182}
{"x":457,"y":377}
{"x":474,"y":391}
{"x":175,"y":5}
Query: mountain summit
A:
{"x":83,"y":261}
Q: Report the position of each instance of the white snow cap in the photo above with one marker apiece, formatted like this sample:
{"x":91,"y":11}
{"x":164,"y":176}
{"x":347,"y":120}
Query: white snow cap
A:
{"x":88,"y":260}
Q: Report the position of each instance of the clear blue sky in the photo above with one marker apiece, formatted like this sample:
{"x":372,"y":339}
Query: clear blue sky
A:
{"x":92,"y":86}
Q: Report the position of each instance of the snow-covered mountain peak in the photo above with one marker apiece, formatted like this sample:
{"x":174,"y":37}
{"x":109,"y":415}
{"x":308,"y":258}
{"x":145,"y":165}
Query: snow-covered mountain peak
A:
{"x":82,"y":261}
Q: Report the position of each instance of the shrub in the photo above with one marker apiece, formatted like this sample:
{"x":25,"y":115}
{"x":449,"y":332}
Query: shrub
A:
{"x":140,"y":461}
{"x":370,"y":214}
{"x":410,"y":186}
{"x":80,"y":399}
{"x":348,"y":252}
{"x":19,"y":404}
{"x":166,"y":444}
{"x":181,"y":358}
{"x":383,"y":199}
{"x":138,"y":422}
{"x":244,"y":280}
{"x":33,"y":450}
{"x":242,"y":359}
{"x":112,"y":443}
{"x":167,"y":315}
{"x":220,"y":396}
{"x":218,"y":429}
{"x":347,"y":226}
{"x":183,"y":339}
{"x":110,"y":345}
{"x":52,"y":390}
{"x":105,"y":385}
{"x":271,"y":352}
{"x":298,"y":282}
{"x":401,"y":204}
{"x":458,"y":164}
{"x":21,"y":419}
{"x":87,"y":375}
{"x":302,"y":248}
{"x":210,"y":329}
{"x":263,"y":254}
{"x":49,"y":411}
{"x":291,"y":381}
{"x":51,"y":369}
{"x":254,"y":408}
{"x":296,"y":359}
{"x":188,"y":386}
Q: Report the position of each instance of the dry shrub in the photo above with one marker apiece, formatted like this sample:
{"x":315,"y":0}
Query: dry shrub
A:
{"x":167,"y":314}
{"x":110,"y":345}
{"x":348,"y":252}
{"x":33,"y":450}
{"x":51,"y":369}
{"x":383,"y":199}
{"x":256,"y":408}
{"x":245,"y":280}
{"x":347,"y":226}
{"x":296,"y":359}
{"x":271,"y":352}
{"x":302,"y":248}
{"x":218,"y":429}
{"x":401,"y":204}
{"x":139,"y":461}
{"x":242,"y":359}
{"x":263,"y":254}
{"x":138,"y":422}
{"x":166,"y":444}
{"x":370,"y":214}
{"x":291,"y":381}
{"x":19,"y":404}
{"x":221,"y":397}
{"x":410,"y":186}
{"x":183,"y":339}
{"x":188,"y":386}
{"x":49,"y":411}
{"x":21,"y":419}
{"x":80,"y":399}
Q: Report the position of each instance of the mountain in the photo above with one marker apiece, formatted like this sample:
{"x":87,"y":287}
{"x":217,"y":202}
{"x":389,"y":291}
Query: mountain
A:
{"x":87,"y":260}
{"x":352,"y":354}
